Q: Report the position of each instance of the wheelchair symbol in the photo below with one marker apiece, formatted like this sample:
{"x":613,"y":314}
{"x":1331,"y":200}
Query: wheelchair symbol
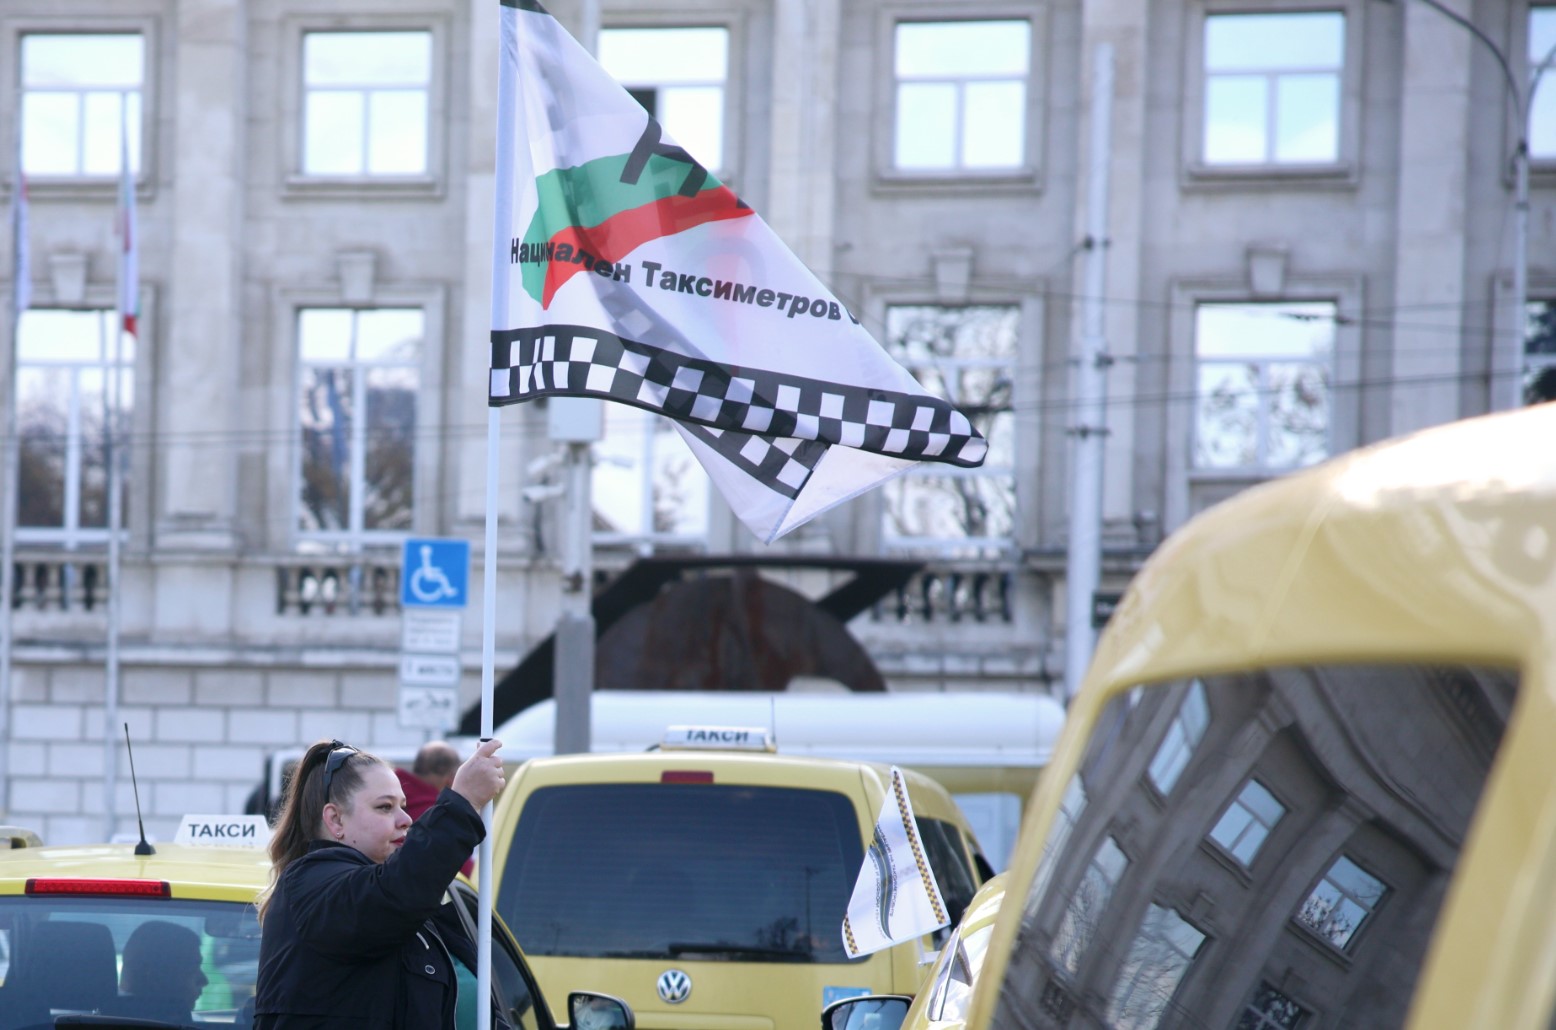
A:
{"x":429,"y":584}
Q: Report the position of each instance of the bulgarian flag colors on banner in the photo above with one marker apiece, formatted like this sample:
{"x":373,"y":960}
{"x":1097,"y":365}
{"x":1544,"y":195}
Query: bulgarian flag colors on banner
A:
{"x":625,"y":270}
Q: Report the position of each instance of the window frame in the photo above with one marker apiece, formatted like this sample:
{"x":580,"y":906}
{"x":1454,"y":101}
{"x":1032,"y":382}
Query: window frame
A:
{"x":729,"y":122}
{"x":1532,"y":362}
{"x":141,"y":455}
{"x":1542,"y":167}
{"x":1188,"y":489}
{"x":1119,"y":992}
{"x":1025,"y":467}
{"x":1344,"y":171}
{"x":739,"y":66}
{"x":434,"y":452}
{"x":290,"y":127}
{"x":1026,"y":177}
{"x":1304,"y":1012}
{"x":68,"y":536}
{"x":1263,"y":361}
{"x":83,"y":187}
{"x":1081,"y":937}
{"x":1229,"y":850}
{"x":1349,"y":947}
{"x":1187,"y":747}
{"x":650,"y":540}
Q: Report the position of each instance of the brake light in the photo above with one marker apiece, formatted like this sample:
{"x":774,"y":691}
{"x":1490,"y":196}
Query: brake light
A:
{"x":686,"y":776}
{"x":120,"y":888}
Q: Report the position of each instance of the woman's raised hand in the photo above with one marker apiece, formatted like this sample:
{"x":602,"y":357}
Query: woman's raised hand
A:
{"x":480,"y":778}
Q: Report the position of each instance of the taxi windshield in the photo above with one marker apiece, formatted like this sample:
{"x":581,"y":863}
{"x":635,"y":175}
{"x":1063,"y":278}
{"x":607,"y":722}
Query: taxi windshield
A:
{"x":177,"y":961}
{"x":704,"y":872}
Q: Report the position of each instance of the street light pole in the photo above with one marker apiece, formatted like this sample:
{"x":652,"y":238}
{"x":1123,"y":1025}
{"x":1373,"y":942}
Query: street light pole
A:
{"x":1509,"y":393}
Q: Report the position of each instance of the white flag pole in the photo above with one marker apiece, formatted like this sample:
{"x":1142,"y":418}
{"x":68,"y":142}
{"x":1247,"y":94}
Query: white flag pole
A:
{"x":21,"y":275}
{"x":111,"y":447}
{"x":502,"y":219}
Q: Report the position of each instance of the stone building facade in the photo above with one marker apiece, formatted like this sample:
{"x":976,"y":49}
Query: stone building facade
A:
{"x":1310,"y":246}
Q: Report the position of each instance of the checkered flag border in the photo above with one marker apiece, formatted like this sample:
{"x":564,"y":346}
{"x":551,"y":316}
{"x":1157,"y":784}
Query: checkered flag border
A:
{"x":773,"y":425}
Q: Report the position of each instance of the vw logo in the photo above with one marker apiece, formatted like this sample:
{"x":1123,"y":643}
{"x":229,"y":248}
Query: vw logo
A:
{"x":674,"y":986}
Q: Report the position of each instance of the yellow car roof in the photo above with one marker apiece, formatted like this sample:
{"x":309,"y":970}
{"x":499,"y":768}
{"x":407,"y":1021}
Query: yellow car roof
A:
{"x":191,"y":871}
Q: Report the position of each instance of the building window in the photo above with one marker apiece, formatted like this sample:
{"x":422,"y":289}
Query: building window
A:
{"x":1262,"y":399}
{"x":1271,"y":1010}
{"x":961,"y":95}
{"x":81,"y":95}
{"x":365,"y":103}
{"x":1542,"y":62}
{"x":1246,"y":823}
{"x":64,"y":361}
{"x":1158,"y":957}
{"x":1344,"y":898}
{"x":1183,"y":736}
{"x":359,"y":378}
{"x":678,"y":75}
{"x":647,"y":486}
{"x":1071,"y":806}
{"x":1540,"y":352}
{"x":966,"y":355}
{"x":1086,"y":906}
{"x":1272,"y":88}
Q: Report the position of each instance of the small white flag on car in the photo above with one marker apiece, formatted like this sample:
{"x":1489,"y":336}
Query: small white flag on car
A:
{"x":895,"y":898}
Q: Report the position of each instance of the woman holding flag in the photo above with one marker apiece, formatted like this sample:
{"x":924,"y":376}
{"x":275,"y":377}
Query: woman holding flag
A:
{"x":355,"y":932}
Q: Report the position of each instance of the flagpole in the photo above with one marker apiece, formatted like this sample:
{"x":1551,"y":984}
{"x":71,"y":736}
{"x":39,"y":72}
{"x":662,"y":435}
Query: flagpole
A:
{"x":123,"y":305}
{"x":502,"y":217}
{"x":21,"y":275}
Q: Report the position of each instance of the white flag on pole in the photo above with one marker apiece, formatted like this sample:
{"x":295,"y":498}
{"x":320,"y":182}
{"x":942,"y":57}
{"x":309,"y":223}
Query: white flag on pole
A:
{"x":626,"y":271}
{"x":895,"y":898}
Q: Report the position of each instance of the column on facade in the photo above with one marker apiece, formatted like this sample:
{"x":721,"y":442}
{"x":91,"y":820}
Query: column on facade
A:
{"x":1430,"y":289}
{"x":204,"y":335}
{"x":1124,"y":24}
{"x":803,"y":178}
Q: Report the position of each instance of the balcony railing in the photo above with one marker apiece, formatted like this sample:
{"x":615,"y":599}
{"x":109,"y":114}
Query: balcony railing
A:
{"x":60,"y":581}
{"x":952,"y":595}
{"x":357,"y":585}
{"x":326,"y":586}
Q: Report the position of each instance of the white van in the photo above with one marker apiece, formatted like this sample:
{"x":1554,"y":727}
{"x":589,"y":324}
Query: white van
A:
{"x":986,"y":749}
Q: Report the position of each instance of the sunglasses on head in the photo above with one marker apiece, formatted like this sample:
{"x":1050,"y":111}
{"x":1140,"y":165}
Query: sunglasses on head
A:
{"x":340,"y":754}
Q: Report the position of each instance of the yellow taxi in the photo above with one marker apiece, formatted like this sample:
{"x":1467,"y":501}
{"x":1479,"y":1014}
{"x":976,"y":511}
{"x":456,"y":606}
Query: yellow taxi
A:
{"x":1308,"y":779}
{"x":941,"y":1003}
{"x":705,"y":882}
{"x":70,"y":917}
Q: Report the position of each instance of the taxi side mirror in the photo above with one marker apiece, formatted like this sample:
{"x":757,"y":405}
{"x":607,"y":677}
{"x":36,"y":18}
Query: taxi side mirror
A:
{"x":589,"y":1011}
{"x":869,"y":1012}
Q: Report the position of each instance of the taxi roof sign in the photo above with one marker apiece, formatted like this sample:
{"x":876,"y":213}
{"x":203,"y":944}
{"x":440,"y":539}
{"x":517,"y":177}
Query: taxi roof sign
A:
{"x":717,"y":738}
{"x":233,"y":831}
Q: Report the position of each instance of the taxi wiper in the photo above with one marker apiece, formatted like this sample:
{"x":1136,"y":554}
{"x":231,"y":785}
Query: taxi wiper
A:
{"x":722,"y":950}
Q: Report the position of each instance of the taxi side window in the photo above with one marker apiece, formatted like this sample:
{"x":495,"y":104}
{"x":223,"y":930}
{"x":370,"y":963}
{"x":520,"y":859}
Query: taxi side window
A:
{"x":948,"y":861}
{"x":1378,"y":768}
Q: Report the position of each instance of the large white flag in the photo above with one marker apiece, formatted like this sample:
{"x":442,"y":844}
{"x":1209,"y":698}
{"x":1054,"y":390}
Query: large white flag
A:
{"x":895,"y":898}
{"x":626,"y":271}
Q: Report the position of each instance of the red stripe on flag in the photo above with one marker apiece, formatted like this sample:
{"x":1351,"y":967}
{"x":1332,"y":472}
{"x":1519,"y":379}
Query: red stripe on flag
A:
{"x":622,"y":233}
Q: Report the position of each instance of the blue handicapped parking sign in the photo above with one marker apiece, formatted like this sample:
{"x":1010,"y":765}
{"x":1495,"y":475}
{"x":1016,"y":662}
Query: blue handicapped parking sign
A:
{"x":435,"y":573}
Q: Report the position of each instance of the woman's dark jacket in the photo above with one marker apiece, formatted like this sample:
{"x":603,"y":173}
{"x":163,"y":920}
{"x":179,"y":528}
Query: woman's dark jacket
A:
{"x":353,"y":944}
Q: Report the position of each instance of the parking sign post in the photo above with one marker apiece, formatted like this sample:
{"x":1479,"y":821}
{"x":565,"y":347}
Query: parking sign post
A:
{"x":434,"y":591}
